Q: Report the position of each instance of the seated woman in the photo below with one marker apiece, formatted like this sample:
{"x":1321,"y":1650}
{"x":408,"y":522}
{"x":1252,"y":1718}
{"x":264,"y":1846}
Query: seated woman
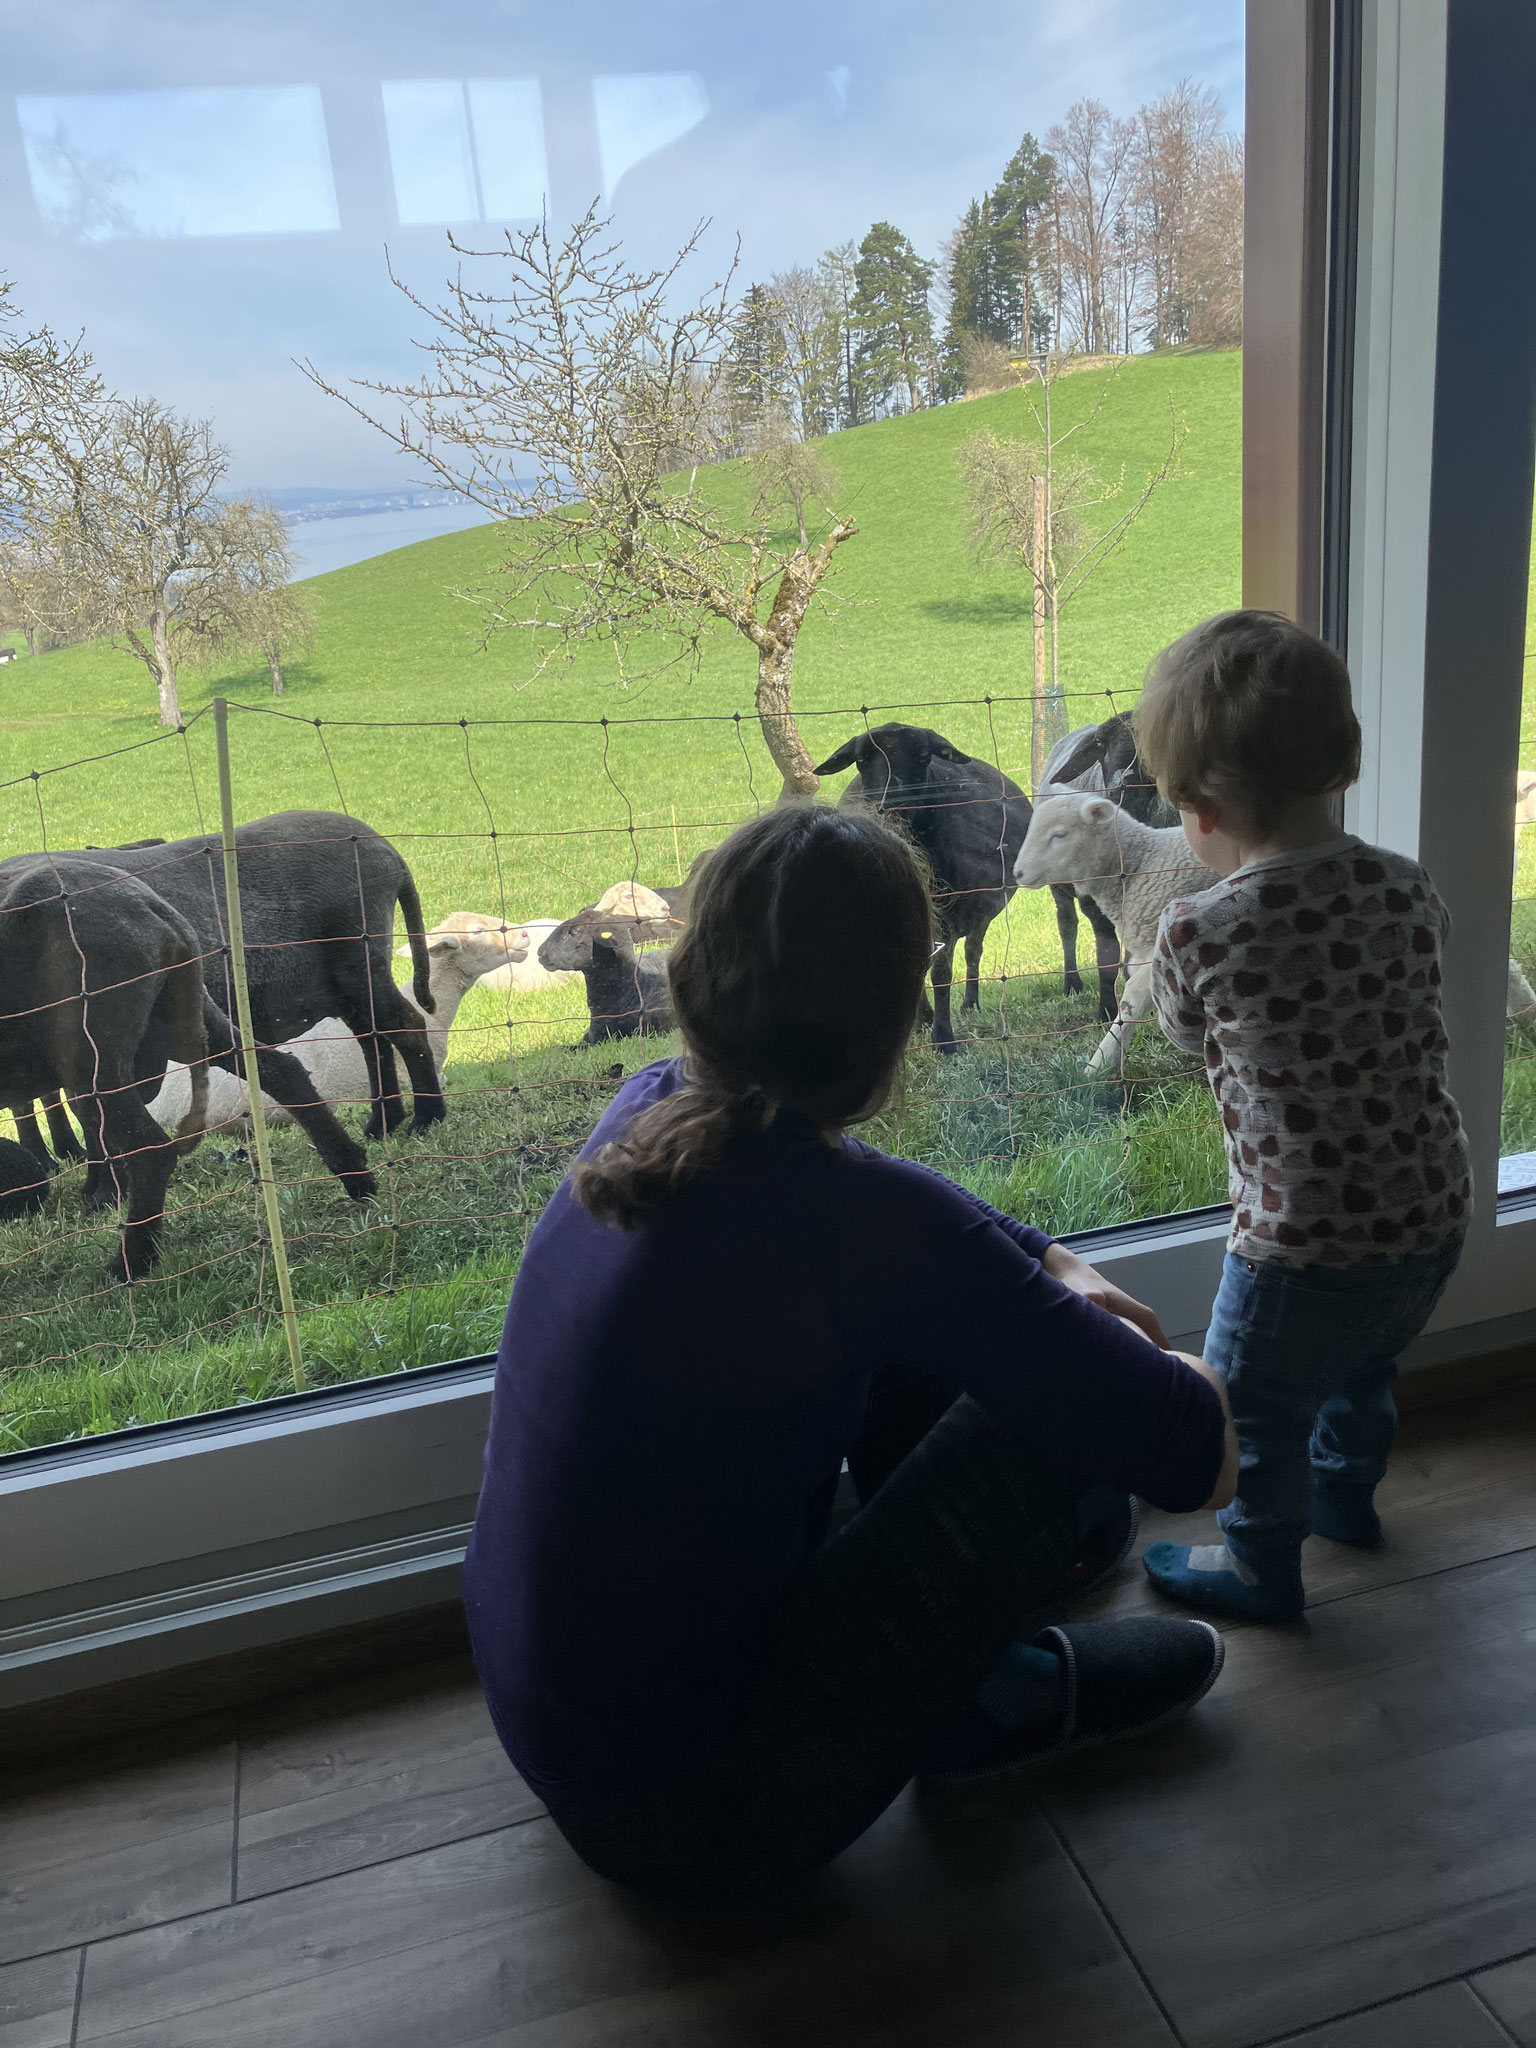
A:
{"x":725,"y":1299}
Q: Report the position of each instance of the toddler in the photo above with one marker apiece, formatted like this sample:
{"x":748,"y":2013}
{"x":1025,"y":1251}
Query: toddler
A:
{"x":1309,"y":977}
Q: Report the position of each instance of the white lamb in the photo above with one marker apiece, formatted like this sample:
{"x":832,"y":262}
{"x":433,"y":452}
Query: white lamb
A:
{"x":332,"y":1056}
{"x":518,"y":968}
{"x":1130,"y":870}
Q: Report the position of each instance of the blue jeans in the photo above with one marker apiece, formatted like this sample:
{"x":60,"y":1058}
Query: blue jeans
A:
{"x":1309,"y":1355}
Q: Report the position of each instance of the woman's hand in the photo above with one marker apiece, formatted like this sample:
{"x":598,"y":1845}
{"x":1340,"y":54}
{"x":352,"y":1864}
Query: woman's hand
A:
{"x":1226,"y":1478}
{"x":1087,"y":1281}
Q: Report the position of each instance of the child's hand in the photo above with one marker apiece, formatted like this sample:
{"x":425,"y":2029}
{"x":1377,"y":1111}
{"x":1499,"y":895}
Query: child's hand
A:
{"x":1087,"y":1281}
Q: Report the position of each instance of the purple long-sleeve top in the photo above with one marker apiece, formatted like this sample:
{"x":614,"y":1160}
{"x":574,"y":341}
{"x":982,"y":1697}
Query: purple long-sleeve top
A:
{"x":668,"y":1400}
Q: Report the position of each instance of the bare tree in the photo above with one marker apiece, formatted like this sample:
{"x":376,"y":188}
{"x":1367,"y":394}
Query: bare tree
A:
{"x":1176,"y":152}
{"x":1215,"y":269}
{"x":1039,"y":504}
{"x":140,"y":538}
{"x":606,"y":380}
{"x":35,"y":599}
{"x":50,"y":399}
{"x":253,"y":607}
{"x":811,"y":323}
{"x":1092,"y":154}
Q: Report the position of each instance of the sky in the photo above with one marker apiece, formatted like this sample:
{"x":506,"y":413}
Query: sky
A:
{"x":209,"y":190}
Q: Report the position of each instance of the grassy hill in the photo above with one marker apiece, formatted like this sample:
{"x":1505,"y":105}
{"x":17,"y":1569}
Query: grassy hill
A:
{"x":919,"y":631}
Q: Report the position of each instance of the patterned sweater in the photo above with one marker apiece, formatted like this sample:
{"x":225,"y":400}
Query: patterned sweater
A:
{"x":1311,"y":983}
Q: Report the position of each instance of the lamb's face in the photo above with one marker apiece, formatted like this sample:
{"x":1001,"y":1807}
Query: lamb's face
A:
{"x":1066,"y":842}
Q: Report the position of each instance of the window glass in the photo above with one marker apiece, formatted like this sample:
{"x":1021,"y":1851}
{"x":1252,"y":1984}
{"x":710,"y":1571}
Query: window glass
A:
{"x":958,"y":348}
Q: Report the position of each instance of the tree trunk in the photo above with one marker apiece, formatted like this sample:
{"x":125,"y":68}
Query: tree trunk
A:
{"x":165,"y":672}
{"x":776,"y":716}
{"x":275,"y":666}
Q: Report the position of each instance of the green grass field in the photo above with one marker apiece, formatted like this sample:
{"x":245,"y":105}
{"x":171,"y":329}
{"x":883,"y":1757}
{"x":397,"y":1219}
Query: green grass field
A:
{"x":919,"y":631}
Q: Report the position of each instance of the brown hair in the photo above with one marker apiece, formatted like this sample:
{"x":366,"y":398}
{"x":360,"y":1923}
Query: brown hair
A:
{"x":796,"y":986}
{"x":1248,"y":710}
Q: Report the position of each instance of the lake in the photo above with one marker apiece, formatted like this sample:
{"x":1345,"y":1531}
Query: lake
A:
{"x":324,"y":544}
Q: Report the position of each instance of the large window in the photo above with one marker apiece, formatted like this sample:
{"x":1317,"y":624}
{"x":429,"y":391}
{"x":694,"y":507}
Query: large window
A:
{"x":976,"y":344}
{"x":209,"y":201}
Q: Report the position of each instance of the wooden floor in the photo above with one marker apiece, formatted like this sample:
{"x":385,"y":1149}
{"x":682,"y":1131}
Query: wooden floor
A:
{"x":1338,"y":1847}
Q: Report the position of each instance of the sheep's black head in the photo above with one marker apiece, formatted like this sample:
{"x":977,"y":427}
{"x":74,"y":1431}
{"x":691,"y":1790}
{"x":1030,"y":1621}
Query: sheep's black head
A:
{"x":893,"y":758}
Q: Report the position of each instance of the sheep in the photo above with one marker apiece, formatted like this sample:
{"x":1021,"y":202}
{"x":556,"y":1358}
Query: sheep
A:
{"x":519,"y":968}
{"x":1525,"y":802}
{"x":970,"y":822}
{"x":23,"y":1182}
{"x":627,"y":991}
{"x":102,"y":977}
{"x":632,"y":899}
{"x":330,"y":1054}
{"x":1094,"y":758}
{"x":318,"y":892}
{"x":1132,"y":870}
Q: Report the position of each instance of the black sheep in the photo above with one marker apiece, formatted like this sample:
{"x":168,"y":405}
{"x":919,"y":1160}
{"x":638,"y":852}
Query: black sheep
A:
{"x":970,"y":821}
{"x":1100,"y":757}
{"x":23,"y":1181}
{"x":102,"y":980}
{"x":318,"y":893}
{"x":627,"y":992}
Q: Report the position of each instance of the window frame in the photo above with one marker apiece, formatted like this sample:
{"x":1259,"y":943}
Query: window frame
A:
{"x":164,"y":1546}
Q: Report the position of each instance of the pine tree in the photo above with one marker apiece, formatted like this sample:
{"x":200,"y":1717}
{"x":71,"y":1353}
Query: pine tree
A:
{"x":894,"y":319}
{"x":757,"y":367}
{"x":1019,"y":202}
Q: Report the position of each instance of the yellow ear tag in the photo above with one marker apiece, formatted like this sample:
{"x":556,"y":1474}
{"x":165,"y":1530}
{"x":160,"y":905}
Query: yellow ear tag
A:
{"x":605,"y":935}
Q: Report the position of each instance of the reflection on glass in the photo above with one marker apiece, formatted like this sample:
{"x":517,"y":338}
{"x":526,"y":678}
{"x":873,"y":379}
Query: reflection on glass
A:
{"x":429,"y":150}
{"x":507,"y":121}
{"x":639,"y":114}
{"x":242,"y":160}
{"x":465,"y":152}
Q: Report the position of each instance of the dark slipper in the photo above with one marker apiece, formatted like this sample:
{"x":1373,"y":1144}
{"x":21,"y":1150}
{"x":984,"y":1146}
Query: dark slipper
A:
{"x":1122,"y":1678}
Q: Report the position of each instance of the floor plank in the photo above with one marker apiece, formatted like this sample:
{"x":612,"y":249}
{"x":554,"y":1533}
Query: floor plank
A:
{"x":358,"y":1773}
{"x":129,"y":1834}
{"x":37,"y":2001}
{"x":1511,"y":1991}
{"x":960,"y":1924}
{"x":1446,"y":2017}
{"x":1323,"y":1840}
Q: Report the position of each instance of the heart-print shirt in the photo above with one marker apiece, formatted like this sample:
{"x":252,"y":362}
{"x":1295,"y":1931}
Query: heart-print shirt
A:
{"x":1310,"y":982}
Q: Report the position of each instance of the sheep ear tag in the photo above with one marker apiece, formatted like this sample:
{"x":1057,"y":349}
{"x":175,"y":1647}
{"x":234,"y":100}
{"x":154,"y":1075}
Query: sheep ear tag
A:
{"x":949,"y":753}
{"x":605,"y":935}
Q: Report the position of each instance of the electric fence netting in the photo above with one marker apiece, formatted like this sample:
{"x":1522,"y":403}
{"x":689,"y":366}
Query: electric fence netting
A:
{"x":175,"y":1239}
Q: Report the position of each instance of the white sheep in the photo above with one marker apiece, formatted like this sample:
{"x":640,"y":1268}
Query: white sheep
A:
{"x":328,"y":1052}
{"x":517,"y":968}
{"x":1131,"y":871}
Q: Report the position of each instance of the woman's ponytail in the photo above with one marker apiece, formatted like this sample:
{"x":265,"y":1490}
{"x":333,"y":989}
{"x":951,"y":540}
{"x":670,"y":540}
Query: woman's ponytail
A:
{"x":674,"y":1142}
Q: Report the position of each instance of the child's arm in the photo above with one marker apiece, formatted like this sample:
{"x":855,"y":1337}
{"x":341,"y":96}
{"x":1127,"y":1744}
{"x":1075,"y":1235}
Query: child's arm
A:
{"x":1180,"y":1011}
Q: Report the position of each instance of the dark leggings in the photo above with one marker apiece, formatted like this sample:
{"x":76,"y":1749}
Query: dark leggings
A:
{"x":881,"y":1641}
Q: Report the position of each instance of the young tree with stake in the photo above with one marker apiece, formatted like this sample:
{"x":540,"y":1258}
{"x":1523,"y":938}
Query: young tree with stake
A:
{"x":611,"y":383}
{"x":1033,"y":503}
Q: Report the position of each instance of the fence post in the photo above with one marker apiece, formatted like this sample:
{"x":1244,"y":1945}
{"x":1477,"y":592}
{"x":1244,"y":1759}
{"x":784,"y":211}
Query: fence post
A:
{"x":248,"y":1045}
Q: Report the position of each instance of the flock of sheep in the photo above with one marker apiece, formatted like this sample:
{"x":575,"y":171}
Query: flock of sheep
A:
{"x":117,"y":969}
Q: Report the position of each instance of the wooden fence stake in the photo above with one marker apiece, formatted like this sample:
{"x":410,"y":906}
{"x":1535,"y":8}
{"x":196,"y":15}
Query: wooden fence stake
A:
{"x":248,"y":1047}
